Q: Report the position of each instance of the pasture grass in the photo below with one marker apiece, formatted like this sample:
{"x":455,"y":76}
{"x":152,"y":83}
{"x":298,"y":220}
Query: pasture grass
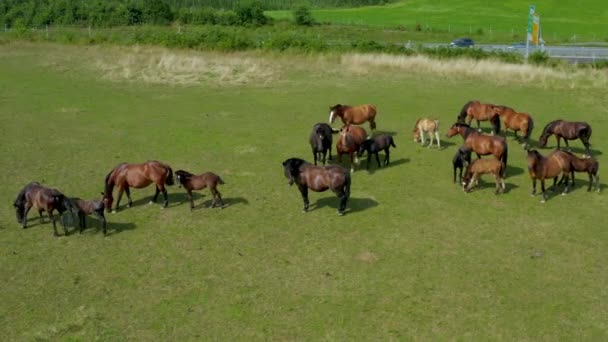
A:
{"x":414,"y":258}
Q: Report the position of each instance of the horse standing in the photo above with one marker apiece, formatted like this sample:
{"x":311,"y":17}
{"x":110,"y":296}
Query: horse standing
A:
{"x":551,"y":166}
{"x":375,"y":145}
{"x":318,"y":178}
{"x":43,"y":199}
{"x":517,"y":122}
{"x":480,"y":112}
{"x":320,"y":141}
{"x":427,"y":126}
{"x":481,"y":144}
{"x":84,"y":208}
{"x":350,"y":139}
{"x":568,"y":130}
{"x":354,"y":114}
{"x":589,"y":165}
{"x":461,"y":159}
{"x":199,"y":182}
{"x":137,"y":176}
{"x":484,"y":166}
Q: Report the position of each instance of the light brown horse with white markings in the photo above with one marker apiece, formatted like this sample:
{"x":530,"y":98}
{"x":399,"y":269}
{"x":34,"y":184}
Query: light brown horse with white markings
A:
{"x":354,"y":115}
{"x":425,"y":126}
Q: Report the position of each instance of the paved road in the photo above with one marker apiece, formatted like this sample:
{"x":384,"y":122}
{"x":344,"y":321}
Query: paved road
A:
{"x":574,"y":53}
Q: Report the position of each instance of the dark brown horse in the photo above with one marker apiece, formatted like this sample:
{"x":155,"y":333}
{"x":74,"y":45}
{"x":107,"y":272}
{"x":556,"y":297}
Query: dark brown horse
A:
{"x":516,"y":121}
{"x":137,"y":176}
{"x":320,"y":141}
{"x":350,"y":139}
{"x":461,"y":159}
{"x":354,"y":114}
{"x":484,"y":166}
{"x":382,"y":142}
{"x":481,"y":144}
{"x":93,"y":207}
{"x":318,"y":178}
{"x":589,"y":165}
{"x":192,"y":182}
{"x":568,"y":130}
{"x":480,"y":112}
{"x":43,"y":199}
{"x":551,"y":166}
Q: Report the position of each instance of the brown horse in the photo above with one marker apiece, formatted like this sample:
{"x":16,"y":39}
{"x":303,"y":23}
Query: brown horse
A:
{"x":199,"y":182}
{"x":551,"y":166}
{"x":567,"y":130}
{"x":427,"y":126}
{"x":481,"y":144}
{"x":350,"y":140}
{"x":589,"y":165}
{"x":354,"y":114}
{"x":84,"y":208}
{"x":516,"y":121}
{"x":480,"y":112}
{"x":382,"y":142}
{"x":318,"y":178}
{"x":44,"y":199}
{"x":137,"y":176}
{"x":484,"y":166}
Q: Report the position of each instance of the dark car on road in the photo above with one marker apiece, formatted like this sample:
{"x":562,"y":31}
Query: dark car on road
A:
{"x":463,"y":42}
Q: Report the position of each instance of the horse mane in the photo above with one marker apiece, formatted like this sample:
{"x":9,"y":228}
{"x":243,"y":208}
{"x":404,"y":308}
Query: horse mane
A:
{"x":109,"y":182}
{"x":549,"y":126}
{"x":184,"y":176}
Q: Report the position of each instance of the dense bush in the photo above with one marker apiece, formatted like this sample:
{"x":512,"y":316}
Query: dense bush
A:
{"x":303,"y":17}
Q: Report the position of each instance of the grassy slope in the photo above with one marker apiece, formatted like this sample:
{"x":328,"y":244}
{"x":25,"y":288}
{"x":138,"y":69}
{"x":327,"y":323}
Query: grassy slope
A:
{"x":560,"y":20}
{"x":415,"y":257}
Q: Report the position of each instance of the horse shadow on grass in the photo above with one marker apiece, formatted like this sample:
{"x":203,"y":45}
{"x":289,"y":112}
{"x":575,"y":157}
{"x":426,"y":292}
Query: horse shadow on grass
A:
{"x":112,"y":227}
{"x":513,"y":171}
{"x":179,"y":199}
{"x":373,"y":165}
{"x":354,"y":204}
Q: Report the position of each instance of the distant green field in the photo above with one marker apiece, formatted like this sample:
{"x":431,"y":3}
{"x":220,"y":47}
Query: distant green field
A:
{"x":414,"y":258}
{"x":561,"y":21}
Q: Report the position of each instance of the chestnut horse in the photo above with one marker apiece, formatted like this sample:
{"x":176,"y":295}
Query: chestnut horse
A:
{"x":426,"y":126}
{"x":318,"y":178}
{"x":199,"y":182}
{"x":350,"y":140}
{"x":480,"y":112}
{"x":481,"y":144}
{"x":484,"y":166}
{"x":354,"y":114}
{"x":567,"y":130}
{"x":44,"y":199}
{"x":551,"y":166}
{"x":137,"y":176}
{"x":589,"y":165}
{"x":517,"y":122}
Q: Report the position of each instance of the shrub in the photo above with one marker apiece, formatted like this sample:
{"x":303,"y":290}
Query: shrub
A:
{"x":303,"y":17}
{"x":538,"y":58}
{"x":251,"y":13}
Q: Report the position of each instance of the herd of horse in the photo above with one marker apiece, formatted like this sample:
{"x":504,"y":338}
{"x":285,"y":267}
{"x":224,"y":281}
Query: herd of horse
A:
{"x":354,"y":141}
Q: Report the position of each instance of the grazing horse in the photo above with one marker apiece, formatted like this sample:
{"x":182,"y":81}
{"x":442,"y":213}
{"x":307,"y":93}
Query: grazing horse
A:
{"x":516,"y":121}
{"x":481,"y":144}
{"x":428,"y":126}
{"x":84,"y":208}
{"x":375,"y":145}
{"x":137,"y":176}
{"x":484,"y":166}
{"x":320,"y":141}
{"x":44,"y":199}
{"x":199,"y":182}
{"x":567,"y":130}
{"x":354,"y":114}
{"x":589,"y":165}
{"x":480,"y":112}
{"x":461,"y":159}
{"x":318,"y":178}
{"x":540,"y":167}
{"x":350,"y":139}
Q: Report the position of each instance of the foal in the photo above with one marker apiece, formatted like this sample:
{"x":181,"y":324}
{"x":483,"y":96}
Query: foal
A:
{"x":427,"y":126}
{"x":589,"y":165}
{"x":484,"y":166}
{"x":375,"y":145}
{"x":461,"y":160}
{"x":94,"y":207}
{"x":199,"y":182}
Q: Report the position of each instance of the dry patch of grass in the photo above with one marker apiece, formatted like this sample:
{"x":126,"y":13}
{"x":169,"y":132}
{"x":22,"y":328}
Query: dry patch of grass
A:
{"x":487,"y":70}
{"x":163,"y":66}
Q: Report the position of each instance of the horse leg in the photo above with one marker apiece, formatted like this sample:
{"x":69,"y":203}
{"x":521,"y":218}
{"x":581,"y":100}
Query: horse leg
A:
{"x":590,"y":180}
{"x":533,"y":187}
{"x":191,"y":199}
{"x":478,"y":125}
{"x":542,"y":187}
{"x":438,"y":141}
{"x":217,"y":194}
{"x":478,"y":156}
{"x":567,"y":145}
{"x":314,"y":155}
{"x":155,"y":195}
{"x":567,"y":183}
{"x":352,"y":165}
{"x":120,"y":190}
{"x":421,"y":135}
{"x":166,"y":202}
{"x":431,"y":139}
{"x":369,"y":159}
{"x":27,"y":209}
{"x":40,"y":214}
{"x":387,"y":158}
{"x":586,"y":143}
{"x":378,"y":159}
{"x":343,"y":199}
{"x":82,"y":221}
{"x":324,"y":156}
{"x":129,"y":201}
{"x":304,"y":193}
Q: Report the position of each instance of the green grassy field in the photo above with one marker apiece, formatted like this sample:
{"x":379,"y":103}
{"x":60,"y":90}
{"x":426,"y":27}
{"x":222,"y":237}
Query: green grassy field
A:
{"x":504,"y":21}
{"x":414,"y":258}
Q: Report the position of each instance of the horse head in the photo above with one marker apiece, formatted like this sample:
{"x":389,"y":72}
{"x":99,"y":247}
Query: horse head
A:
{"x":547,"y":131}
{"x":334,"y":111}
{"x":182,"y":177}
{"x":107,"y":200}
{"x":291,"y":169}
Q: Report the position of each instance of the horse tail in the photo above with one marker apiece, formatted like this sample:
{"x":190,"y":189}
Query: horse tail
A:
{"x":496,"y":123}
{"x":463,"y":112}
{"x":530,"y":127}
{"x":391,"y":141}
{"x":169,"y":178}
{"x":220,"y":180}
{"x":503,"y":159}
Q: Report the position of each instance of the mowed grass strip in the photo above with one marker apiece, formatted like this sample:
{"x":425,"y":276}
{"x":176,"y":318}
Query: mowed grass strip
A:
{"x":414,"y":257}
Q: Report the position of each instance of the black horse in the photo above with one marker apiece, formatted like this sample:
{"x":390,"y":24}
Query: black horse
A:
{"x":461,"y":159}
{"x":568,"y":130}
{"x":320,"y":141}
{"x":319,"y":179}
{"x":375,"y":145}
